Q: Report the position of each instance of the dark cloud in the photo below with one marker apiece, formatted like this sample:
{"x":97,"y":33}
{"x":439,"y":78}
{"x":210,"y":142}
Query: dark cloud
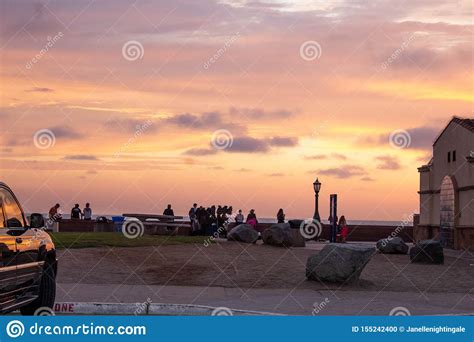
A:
{"x":39,"y":90}
{"x":248,"y":144}
{"x":387,"y":163}
{"x":367,"y":179}
{"x":420,"y":138}
{"x":66,"y":132}
{"x":283,"y":141}
{"x":255,"y":145}
{"x":259,"y":113}
{"x":186,"y":120}
{"x":338,"y":156}
{"x":131,"y":125}
{"x":423,"y":137}
{"x":80,"y":157}
{"x":200,"y":152}
{"x":346,"y":171}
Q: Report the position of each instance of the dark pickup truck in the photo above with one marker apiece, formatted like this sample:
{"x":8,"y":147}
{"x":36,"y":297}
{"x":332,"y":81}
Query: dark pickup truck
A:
{"x":28,"y":263}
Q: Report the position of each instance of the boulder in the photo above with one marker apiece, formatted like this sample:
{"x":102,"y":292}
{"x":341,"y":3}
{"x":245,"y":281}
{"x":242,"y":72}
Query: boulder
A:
{"x":338,"y":263}
{"x":394,"y":245}
{"x":278,"y":235}
{"x":295,"y":224}
{"x":243,"y":233}
{"x":298,"y":239}
{"x":427,"y":251}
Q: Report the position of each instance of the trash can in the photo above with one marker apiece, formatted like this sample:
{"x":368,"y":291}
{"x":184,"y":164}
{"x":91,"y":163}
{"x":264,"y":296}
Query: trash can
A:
{"x":118,"y":222}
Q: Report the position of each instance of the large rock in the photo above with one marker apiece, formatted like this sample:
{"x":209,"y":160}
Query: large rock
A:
{"x":295,"y":224}
{"x":243,"y":233}
{"x":298,"y":239}
{"x":427,"y":251}
{"x":338,"y":263}
{"x":394,"y":245}
{"x":278,"y":235}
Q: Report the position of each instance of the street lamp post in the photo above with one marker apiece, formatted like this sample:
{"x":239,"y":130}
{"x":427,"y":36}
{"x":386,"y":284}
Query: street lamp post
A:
{"x":317,"y":187}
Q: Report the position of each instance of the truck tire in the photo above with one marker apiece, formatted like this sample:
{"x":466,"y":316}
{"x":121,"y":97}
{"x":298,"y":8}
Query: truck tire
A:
{"x":47,"y":293}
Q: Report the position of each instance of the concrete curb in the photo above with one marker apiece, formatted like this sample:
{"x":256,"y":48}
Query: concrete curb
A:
{"x":141,"y":309}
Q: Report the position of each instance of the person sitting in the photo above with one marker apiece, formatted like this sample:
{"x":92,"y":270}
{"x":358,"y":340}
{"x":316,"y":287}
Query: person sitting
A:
{"x":87,"y":212}
{"x":76,"y":212}
{"x":239,"y":218}
{"x":168,"y":211}
{"x":252,"y":219}
{"x":281,"y":216}
{"x":54,"y":215}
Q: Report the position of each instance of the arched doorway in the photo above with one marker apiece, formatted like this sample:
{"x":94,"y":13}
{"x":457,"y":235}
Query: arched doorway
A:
{"x":447,"y":211}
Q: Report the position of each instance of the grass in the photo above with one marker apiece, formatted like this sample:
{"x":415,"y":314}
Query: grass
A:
{"x":85,"y":240}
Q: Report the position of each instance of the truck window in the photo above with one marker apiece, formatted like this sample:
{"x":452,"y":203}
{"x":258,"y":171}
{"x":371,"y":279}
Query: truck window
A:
{"x":12,"y":211}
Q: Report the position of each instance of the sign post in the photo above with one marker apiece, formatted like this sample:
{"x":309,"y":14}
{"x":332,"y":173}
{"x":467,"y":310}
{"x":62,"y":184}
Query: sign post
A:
{"x":333,"y":217}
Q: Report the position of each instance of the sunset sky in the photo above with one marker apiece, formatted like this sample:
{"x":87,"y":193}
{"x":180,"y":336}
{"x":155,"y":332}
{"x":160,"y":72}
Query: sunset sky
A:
{"x":299,"y":91}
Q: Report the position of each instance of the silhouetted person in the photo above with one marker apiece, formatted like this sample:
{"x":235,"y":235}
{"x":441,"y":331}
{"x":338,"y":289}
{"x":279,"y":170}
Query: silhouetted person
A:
{"x":76,"y":212}
{"x":252,"y":219}
{"x":168,"y":211}
{"x":54,"y":214}
{"x":343,"y":228}
{"x":193,"y":212}
{"x":201,"y":215}
{"x":87,"y":212}
{"x":281,"y":216}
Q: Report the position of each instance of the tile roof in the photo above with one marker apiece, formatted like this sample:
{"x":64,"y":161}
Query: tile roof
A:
{"x":466,"y":123}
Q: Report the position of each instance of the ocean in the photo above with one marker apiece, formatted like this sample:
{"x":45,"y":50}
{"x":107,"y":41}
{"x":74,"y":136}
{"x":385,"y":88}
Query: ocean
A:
{"x":273,"y":220}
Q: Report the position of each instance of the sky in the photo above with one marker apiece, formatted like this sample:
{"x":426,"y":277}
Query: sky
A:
{"x":131,"y":105}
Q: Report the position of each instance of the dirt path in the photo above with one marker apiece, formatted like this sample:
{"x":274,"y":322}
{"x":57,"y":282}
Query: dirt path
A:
{"x":235,"y":265}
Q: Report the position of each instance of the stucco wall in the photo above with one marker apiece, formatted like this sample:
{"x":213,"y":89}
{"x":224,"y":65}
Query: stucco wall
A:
{"x":459,"y":139}
{"x":466,"y":208}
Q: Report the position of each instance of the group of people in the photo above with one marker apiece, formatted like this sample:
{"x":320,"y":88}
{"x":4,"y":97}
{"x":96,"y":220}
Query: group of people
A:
{"x":204,"y":221}
{"x":209,"y":221}
{"x":76,"y":212}
{"x":341,"y":233}
{"x":251,"y":218}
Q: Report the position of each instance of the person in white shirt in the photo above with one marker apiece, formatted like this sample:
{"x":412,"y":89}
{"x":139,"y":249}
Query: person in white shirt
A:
{"x":239,"y":218}
{"x":87,"y":212}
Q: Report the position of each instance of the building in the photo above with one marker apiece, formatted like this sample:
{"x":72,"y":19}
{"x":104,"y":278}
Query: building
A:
{"x":447,"y":188}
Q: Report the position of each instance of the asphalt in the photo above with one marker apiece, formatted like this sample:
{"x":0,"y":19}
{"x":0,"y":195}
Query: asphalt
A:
{"x":282,"y":301}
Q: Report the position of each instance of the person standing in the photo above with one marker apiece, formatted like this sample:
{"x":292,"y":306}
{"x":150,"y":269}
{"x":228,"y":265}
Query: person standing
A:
{"x":76,"y":212}
{"x":344,"y":229}
{"x":87,"y":212}
{"x":194,"y":220}
{"x":281,"y":216}
{"x":201,"y":216}
{"x":252,"y":219}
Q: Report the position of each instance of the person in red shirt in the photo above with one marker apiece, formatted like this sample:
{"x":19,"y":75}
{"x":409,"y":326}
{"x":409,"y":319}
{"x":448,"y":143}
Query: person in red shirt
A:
{"x":344,"y":229}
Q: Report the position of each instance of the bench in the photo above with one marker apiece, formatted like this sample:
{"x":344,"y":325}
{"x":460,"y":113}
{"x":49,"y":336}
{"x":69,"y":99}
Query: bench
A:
{"x":162,"y":224}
